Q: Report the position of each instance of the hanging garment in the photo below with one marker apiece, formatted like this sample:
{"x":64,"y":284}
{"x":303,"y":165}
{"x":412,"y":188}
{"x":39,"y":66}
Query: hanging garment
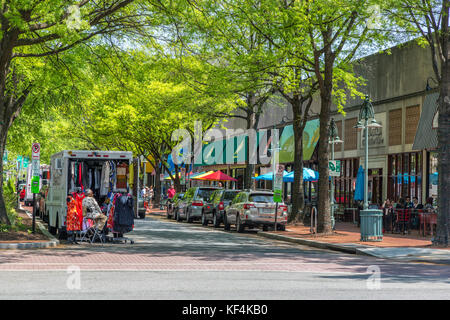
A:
{"x":104,"y":179}
{"x":80,"y":175}
{"x":79,"y":204}
{"x":90,"y":180}
{"x":122,"y":173}
{"x":112,"y":175}
{"x":73,"y":221}
{"x":85,"y":177}
{"x":124,"y":214}
{"x":110,"y":223}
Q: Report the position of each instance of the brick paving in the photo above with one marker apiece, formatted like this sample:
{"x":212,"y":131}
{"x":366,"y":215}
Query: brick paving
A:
{"x":347,"y":232}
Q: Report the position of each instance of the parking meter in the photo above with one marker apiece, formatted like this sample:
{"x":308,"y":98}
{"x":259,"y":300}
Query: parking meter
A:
{"x":35,"y":184}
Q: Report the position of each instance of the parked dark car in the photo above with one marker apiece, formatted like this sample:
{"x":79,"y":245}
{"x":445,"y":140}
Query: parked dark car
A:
{"x":190,"y":208}
{"x":214,"y":209}
{"x":173,"y":207}
{"x":252,"y":208}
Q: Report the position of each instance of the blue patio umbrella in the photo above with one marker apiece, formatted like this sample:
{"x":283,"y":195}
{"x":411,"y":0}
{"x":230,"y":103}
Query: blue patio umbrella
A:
{"x":308,"y":175}
{"x":269,"y":176}
{"x":359,"y":187}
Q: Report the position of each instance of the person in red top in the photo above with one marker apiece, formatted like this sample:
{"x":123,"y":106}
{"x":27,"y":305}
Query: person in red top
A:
{"x":171,"y":192}
{"x":22,"y":194}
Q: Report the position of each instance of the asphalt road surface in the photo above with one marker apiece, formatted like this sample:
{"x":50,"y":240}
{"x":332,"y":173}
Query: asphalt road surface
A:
{"x":187,"y":261}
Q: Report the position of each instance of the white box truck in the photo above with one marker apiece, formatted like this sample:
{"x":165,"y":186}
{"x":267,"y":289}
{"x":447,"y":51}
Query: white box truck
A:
{"x":61,"y":184}
{"x":28,"y":200}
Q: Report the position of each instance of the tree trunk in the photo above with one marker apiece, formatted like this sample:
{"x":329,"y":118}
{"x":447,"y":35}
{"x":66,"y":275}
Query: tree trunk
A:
{"x":323,"y":208}
{"x":252,"y":123}
{"x":298,"y":197}
{"x":3,"y":214}
{"x":157,"y":187}
{"x":443,"y":222}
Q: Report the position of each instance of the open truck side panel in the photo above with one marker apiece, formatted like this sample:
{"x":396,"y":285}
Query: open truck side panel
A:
{"x":59,"y":182}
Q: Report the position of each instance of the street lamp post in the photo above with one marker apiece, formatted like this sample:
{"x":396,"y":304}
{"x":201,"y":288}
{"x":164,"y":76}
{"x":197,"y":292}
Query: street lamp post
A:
{"x":333,"y":138}
{"x":371,"y":219}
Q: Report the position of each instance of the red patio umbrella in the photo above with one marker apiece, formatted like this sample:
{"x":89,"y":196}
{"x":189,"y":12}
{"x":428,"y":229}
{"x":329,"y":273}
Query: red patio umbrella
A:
{"x":218,"y":176}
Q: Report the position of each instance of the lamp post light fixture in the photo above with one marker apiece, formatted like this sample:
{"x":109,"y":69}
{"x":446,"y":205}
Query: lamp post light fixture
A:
{"x":333,"y":138}
{"x":371,"y":219}
{"x":366,"y":120}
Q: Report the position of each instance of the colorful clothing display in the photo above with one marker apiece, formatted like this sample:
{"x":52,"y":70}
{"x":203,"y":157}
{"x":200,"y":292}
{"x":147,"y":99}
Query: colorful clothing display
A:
{"x":79,"y":204}
{"x":73,"y":221}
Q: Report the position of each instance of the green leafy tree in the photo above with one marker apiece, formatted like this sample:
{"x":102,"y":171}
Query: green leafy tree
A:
{"x":428,"y":20}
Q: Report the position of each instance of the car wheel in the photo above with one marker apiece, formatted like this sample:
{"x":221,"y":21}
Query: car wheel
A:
{"x":239,"y":226}
{"x":167,"y":213}
{"x":188,"y":218}
{"x":204,"y":220}
{"x":177,"y":217}
{"x":265,"y":228}
{"x":216,"y":221}
{"x":281,"y":227}
{"x":225,"y":222}
{"x":142,"y":215}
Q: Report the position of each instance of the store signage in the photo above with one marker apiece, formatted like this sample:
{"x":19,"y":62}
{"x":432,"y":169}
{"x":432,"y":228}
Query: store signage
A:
{"x":376,"y":135}
{"x":335,"y":168}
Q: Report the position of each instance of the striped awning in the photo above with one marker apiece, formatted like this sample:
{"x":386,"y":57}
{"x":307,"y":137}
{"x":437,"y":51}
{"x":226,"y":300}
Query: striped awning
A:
{"x":426,"y":134}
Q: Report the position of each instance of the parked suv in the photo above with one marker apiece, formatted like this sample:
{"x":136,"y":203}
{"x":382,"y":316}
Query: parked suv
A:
{"x":190,"y":208}
{"x":254,"y":208}
{"x":214,"y":209}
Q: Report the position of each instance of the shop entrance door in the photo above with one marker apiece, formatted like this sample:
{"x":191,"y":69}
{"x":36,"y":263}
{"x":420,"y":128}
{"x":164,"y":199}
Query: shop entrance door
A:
{"x":375,"y":182}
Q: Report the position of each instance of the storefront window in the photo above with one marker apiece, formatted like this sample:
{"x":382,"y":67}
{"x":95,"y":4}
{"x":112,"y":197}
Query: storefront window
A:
{"x":405,"y":176}
{"x":433,"y":175}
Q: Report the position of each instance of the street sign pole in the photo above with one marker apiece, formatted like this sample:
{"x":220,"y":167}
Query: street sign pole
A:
{"x":35,"y":158}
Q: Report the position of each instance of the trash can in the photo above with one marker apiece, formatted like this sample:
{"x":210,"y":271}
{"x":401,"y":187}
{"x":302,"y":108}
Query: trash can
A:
{"x":371,"y":225}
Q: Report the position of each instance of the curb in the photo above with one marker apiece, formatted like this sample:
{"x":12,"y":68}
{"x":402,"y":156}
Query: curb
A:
{"x":311,"y":243}
{"x":33,"y":245}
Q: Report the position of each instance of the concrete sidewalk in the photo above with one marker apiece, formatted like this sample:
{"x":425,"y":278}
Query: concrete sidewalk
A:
{"x":346,"y":238}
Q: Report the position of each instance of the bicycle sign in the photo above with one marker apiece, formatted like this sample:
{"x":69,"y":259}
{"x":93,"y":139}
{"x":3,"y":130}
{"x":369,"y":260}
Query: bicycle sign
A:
{"x":335,"y":168}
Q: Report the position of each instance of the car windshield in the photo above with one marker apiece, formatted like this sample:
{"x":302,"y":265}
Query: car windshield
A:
{"x":204,"y":194}
{"x":230,"y":195}
{"x":266,"y":198}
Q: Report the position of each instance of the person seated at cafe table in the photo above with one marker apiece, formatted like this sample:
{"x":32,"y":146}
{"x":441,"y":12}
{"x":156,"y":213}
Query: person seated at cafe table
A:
{"x":429,"y":204}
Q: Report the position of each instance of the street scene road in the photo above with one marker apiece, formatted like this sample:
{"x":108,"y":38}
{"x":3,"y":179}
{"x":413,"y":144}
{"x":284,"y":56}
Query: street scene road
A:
{"x":172,"y":260}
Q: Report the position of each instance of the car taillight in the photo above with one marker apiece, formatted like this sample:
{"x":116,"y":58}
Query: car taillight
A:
{"x":197,"y":204}
{"x":221,"y":206}
{"x":248,"y":206}
{"x":284,"y":208}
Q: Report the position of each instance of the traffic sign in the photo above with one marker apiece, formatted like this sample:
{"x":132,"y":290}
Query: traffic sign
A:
{"x":36,"y":151}
{"x":278,"y":183}
{"x":25,"y":162}
{"x":335,"y":168}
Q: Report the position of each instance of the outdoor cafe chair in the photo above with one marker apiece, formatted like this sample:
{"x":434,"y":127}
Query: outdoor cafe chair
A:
{"x":402,"y":220}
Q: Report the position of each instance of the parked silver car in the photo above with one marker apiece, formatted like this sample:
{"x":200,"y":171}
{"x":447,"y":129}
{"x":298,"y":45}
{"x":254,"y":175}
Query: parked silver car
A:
{"x":214,"y":208}
{"x":253,"y":208}
{"x":190,"y":207}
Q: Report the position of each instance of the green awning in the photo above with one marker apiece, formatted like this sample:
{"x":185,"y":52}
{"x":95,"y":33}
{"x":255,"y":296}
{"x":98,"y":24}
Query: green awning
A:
{"x":426,"y":133}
